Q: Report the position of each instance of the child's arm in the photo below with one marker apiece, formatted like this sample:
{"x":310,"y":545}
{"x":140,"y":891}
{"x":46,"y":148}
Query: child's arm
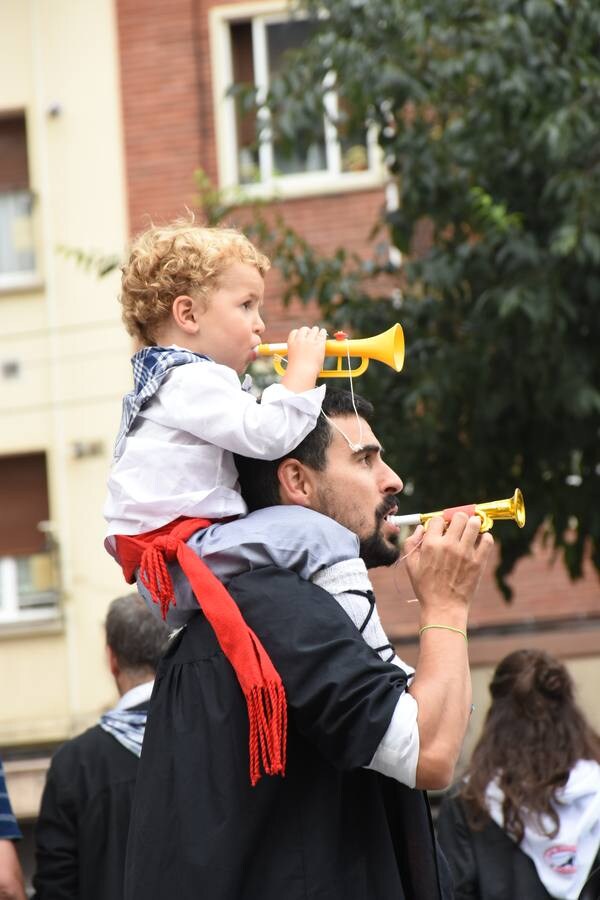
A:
{"x":205,"y":400}
{"x":306,"y":354}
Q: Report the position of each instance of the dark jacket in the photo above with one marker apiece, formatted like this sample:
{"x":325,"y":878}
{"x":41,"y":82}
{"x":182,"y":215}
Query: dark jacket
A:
{"x":329,"y":830}
{"x":81,"y":832}
{"x":487,"y":864}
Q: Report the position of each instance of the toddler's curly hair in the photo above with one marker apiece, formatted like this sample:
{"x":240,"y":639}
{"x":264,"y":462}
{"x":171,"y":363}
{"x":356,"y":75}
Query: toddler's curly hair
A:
{"x":172,"y":260}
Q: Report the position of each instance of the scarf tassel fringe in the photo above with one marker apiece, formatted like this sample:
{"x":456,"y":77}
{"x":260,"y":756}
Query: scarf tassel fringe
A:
{"x":267,"y":714}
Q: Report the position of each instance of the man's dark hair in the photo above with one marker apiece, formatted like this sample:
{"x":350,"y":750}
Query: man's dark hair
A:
{"x":137,"y":638}
{"x":258,"y":477}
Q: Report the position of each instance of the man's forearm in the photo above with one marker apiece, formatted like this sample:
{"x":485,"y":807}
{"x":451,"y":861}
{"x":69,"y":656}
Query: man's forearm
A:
{"x":442,"y":689}
{"x":11,"y":877}
{"x":445,"y":566}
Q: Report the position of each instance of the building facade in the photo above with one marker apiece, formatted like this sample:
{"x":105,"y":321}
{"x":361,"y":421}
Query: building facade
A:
{"x":63,"y":366}
{"x":107,"y":109}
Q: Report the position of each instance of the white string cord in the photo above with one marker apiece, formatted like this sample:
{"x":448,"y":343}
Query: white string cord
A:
{"x":355,"y":447}
{"x":401,"y":559}
{"x":406,"y":555}
{"x":358,"y":419}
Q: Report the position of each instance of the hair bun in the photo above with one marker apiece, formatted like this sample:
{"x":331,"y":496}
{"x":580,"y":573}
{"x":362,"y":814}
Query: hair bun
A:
{"x":553,"y":681}
{"x":529,"y":677}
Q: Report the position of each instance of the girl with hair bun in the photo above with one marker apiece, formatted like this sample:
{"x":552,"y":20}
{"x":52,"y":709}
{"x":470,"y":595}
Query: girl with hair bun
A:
{"x":524,"y":824}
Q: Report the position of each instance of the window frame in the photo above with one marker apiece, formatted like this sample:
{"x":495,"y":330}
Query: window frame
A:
{"x":25,"y":597}
{"x":23,"y":279}
{"x":302,"y":184}
{"x":11,"y":611}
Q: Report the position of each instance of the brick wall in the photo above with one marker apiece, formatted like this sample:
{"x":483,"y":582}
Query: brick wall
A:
{"x":166,"y":106}
{"x":340,"y":220}
{"x":547,"y":609}
{"x":169,"y":133}
{"x":14,"y":174}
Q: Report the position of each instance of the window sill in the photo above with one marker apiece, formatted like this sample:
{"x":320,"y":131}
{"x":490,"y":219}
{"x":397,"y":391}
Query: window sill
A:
{"x":293,"y":188}
{"x":20,"y":282}
{"x":32,"y":624}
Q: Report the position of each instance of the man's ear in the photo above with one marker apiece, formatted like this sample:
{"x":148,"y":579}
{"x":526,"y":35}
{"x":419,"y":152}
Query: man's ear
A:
{"x":296,"y":482}
{"x":113,"y":662}
{"x":185,"y":312}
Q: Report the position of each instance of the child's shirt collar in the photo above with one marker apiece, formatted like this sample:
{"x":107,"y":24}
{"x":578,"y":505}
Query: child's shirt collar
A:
{"x":150,"y":365}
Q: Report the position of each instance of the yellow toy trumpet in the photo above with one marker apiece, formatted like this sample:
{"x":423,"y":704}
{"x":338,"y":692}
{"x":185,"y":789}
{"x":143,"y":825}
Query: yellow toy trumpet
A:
{"x":511,"y":508}
{"x":387,"y":347}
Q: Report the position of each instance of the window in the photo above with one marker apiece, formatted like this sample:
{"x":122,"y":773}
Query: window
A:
{"x":251,"y":50}
{"x":28,"y":559}
{"x":17,"y":257}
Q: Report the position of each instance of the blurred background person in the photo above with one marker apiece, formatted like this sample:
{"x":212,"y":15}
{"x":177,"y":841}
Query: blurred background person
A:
{"x":12,"y":884}
{"x":81,"y":833}
{"x":524,"y":824}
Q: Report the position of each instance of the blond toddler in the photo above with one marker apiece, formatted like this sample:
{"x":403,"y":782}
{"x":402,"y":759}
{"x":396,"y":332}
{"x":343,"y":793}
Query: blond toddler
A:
{"x":192,"y":298}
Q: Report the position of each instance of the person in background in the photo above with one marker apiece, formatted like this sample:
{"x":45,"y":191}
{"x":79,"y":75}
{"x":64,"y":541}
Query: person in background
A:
{"x":81,"y":832}
{"x":12,"y":884}
{"x":525,"y":820}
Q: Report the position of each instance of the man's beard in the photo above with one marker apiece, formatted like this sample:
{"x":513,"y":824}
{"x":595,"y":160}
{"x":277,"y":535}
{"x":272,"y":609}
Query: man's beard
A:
{"x":375,"y":550}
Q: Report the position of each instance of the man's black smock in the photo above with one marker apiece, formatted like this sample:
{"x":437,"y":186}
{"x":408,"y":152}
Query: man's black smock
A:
{"x":329,"y":830}
{"x":81,"y":832}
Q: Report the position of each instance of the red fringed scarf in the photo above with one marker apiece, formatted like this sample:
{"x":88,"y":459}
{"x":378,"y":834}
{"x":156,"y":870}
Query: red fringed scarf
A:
{"x":258,"y":678}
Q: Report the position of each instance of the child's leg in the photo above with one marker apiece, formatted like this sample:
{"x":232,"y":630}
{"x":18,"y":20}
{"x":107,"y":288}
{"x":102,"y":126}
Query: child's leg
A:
{"x":351,"y":586}
{"x":289,"y":537}
{"x":316,"y":547}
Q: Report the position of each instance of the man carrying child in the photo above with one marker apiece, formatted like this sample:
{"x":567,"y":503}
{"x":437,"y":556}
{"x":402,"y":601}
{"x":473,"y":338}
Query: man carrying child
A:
{"x":363,"y":729}
{"x":346,"y":822}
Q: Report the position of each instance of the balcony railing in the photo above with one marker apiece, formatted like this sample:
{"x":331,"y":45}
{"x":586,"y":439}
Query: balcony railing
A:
{"x":29,"y":589}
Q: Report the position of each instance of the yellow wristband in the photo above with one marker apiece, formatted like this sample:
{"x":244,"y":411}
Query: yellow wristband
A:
{"x":445,"y":628}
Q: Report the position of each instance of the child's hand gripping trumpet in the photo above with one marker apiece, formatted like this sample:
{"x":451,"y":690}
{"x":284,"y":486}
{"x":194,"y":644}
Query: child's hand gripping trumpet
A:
{"x":305,"y":357}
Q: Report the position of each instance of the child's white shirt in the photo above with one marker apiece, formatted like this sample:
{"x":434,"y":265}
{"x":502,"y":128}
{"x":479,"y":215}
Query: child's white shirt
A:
{"x":177,"y":458}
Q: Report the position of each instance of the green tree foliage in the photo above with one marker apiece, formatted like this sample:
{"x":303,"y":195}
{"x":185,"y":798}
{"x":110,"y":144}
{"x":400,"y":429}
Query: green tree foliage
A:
{"x":488,"y":116}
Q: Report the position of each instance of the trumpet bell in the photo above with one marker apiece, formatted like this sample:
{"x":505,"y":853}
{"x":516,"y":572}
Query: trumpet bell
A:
{"x":511,"y":508}
{"x":387,"y":347}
